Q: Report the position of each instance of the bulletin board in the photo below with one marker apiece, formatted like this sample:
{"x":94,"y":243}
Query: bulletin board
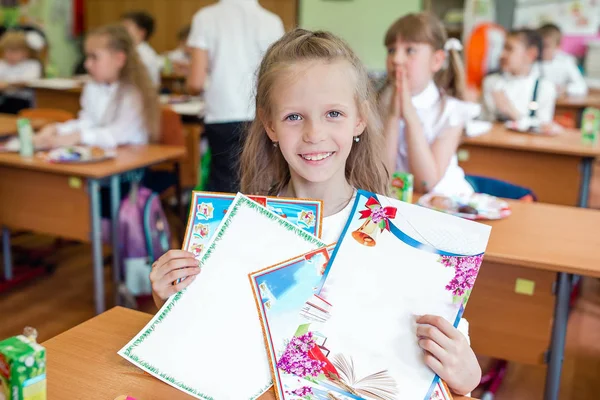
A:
{"x":574,"y":17}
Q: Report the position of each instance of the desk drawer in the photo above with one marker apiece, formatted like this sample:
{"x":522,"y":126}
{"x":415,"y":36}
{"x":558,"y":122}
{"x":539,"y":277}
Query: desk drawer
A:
{"x":508,"y":325}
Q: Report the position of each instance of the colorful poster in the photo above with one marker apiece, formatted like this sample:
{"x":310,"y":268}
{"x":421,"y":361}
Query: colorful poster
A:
{"x":207,"y":210}
{"x":355,"y":337}
{"x":575,"y":17}
{"x":207,"y":339}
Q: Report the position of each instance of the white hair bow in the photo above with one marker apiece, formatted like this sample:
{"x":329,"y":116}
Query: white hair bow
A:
{"x":453,"y":44}
{"x":35,"y":41}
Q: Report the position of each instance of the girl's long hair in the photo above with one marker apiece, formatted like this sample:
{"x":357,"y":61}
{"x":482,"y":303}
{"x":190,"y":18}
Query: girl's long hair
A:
{"x":263,"y":168}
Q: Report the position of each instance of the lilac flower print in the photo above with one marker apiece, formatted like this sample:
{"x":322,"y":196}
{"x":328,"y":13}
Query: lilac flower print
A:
{"x":465,"y":273}
{"x":296,"y":360}
{"x":303,"y":392}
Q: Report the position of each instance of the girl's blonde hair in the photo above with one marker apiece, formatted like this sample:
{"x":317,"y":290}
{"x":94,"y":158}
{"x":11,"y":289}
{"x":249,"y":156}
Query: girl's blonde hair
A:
{"x":17,"y":40}
{"x":263,"y":168}
{"x":427,"y":28}
{"x":134,"y":73}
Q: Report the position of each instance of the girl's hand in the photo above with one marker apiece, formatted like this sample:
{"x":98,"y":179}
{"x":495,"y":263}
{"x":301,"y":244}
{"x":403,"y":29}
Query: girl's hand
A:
{"x":44,"y":139}
{"x":551,"y":129}
{"x":448,"y":354}
{"x":168,"y":270}
{"x":402,"y":106}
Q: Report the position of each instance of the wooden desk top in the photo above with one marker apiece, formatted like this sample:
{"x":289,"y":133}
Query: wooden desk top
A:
{"x":128,"y":158}
{"x":592,"y":99}
{"x":83,"y":361}
{"x":8,"y":124}
{"x":567,"y":143}
{"x":549,"y":237}
{"x":173,"y":76}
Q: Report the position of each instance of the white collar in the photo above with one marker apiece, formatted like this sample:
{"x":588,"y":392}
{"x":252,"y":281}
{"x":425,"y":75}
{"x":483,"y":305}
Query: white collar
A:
{"x":239,"y":1}
{"x":428,"y":97}
{"x":106,"y":87}
{"x":534,"y":73}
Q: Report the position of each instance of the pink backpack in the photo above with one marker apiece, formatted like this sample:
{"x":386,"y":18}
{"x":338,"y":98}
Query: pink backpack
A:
{"x":144,"y":236}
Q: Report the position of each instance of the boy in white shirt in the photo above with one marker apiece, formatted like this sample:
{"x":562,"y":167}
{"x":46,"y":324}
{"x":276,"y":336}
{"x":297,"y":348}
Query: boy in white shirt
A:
{"x":559,"y":67}
{"x":140,"y":26}
{"x":228,"y":39}
{"x":520,"y":93}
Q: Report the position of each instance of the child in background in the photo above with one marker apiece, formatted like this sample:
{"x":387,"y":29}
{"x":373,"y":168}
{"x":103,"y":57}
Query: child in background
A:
{"x":422,"y":106}
{"x":559,"y":67}
{"x":140,"y":26}
{"x":180,"y":57}
{"x":520,"y":93}
{"x":20,"y":63}
{"x":118,"y":106}
{"x":317,"y":135}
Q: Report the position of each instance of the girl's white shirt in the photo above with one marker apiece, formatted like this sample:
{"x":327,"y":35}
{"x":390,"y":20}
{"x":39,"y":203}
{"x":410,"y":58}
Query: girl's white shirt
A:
{"x":111,"y":115}
{"x":437,"y":113}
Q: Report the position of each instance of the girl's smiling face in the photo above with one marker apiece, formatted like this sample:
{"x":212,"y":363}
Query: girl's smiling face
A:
{"x":314,"y":118}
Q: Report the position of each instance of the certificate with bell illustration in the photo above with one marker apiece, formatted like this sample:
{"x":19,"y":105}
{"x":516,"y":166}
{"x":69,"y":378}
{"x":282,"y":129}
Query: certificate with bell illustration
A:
{"x":393,"y":262}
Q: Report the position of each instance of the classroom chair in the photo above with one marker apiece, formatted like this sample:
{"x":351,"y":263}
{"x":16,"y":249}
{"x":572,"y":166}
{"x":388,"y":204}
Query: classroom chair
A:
{"x":48,"y":114}
{"x":164,"y":177}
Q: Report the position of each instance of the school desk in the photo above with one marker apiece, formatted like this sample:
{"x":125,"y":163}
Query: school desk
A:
{"x":175,"y":83}
{"x":64,"y":200}
{"x":68,"y":100}
{"x":8,"y":124}
{"x":572,"y":107}
{"x":83,"y":362}
{"x":557,"y":168}
{"x":519,"y":307}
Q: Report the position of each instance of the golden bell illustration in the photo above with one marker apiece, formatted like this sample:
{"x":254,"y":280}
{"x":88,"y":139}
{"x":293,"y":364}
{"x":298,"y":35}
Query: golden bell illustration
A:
{"x":367,"y":233}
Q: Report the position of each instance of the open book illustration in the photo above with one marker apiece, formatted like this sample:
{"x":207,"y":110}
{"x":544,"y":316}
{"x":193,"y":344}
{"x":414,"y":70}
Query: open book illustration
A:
{"x":283,"y":289}
{"x":355,"y":336}
{"x":208,"y":210}
{"x":207,"y":340}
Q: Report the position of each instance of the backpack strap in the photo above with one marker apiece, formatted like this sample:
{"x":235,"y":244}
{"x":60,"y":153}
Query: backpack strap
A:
{"x":534,"y":105}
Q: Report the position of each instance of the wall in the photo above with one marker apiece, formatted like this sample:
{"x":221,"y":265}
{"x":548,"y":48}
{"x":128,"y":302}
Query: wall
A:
{"x":51,"y":17}
{"x":171,"y":15}
{"x":362,"y":23}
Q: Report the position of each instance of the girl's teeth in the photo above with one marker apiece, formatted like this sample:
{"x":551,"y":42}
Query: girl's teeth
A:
{"x":316,"y":157}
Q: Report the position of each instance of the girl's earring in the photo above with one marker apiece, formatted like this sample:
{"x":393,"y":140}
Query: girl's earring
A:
{"x":356,"y":139}
{"x":275,"y":144}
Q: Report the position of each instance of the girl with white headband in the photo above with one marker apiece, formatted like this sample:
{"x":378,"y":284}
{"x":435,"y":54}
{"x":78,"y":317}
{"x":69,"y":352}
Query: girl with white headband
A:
{"x":422,"y":105}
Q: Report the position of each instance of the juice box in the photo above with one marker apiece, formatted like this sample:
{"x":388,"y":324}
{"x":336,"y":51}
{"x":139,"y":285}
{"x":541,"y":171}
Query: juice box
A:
{"x":22,"y":369}
{"x":25,"y":137}
{"x":402,"y":186}
{"x":590,"y":125}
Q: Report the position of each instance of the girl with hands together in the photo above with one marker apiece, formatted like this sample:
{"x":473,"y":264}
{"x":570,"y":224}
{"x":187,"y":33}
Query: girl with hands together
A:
{"x":422,"y":106}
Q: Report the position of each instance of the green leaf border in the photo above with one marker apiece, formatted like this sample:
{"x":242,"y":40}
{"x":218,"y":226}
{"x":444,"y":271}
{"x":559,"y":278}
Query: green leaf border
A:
{"x":165,"y":310}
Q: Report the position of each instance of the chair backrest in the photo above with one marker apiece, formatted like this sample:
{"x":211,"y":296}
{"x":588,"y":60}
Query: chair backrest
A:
{"x":49,"y":114}
{"x":171,"y":128}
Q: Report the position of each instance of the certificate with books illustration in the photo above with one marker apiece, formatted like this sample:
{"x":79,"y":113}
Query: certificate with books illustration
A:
{"x":351,"y":333}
